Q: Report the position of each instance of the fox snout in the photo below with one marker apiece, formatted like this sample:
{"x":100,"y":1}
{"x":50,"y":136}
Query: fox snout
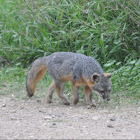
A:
{"x":106,"y":97}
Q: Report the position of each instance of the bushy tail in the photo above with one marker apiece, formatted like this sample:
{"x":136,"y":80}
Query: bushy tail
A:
{"x":35,"y":74}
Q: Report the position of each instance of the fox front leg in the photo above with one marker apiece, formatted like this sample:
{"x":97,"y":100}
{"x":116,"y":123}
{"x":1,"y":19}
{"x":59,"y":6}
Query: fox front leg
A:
{"x":88,"y":94}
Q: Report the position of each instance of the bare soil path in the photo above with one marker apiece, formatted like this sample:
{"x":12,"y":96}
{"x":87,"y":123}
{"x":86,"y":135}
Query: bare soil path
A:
{"x":34,"y":119}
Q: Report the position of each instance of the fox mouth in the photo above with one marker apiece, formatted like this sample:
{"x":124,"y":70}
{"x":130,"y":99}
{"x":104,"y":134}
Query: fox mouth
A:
{"x":103,"y":96}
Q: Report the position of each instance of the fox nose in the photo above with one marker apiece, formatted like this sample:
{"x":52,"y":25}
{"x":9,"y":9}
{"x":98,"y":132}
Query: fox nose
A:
{"x":108,"y":99}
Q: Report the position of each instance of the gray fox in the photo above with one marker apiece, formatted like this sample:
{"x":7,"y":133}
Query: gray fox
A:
{"x":74,"y":67}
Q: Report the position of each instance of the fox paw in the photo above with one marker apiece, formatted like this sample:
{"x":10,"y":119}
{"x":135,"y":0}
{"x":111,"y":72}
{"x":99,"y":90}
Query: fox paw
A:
{"x":93,"y":105}
{"x":49,"y":101}
{"x":66,"y":103}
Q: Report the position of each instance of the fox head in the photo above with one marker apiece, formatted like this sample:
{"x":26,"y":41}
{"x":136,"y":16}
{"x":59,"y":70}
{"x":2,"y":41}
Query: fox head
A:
{"x":102,"y":84}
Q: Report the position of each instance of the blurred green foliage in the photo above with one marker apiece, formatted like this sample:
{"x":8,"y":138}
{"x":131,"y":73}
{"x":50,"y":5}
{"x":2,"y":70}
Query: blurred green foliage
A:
{"x":107,"y":30}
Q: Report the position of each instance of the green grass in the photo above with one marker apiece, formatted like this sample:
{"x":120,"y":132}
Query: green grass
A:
{"x":124,"y":91}
{"x":13,"y":82}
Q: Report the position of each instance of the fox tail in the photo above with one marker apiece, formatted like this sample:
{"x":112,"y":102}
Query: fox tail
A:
{"x":35,"y":74}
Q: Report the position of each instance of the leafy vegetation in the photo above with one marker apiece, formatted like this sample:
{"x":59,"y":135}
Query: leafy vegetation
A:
{"x":106,"y":30}
{"x":126,"y":78}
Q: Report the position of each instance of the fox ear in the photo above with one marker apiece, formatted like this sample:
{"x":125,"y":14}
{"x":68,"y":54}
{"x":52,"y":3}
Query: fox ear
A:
{"x":108,"y":75}
{"x":96,"y":77}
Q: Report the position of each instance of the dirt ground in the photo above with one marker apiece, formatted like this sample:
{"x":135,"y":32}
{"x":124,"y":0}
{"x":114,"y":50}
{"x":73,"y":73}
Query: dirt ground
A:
{"x":35,"y":119}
